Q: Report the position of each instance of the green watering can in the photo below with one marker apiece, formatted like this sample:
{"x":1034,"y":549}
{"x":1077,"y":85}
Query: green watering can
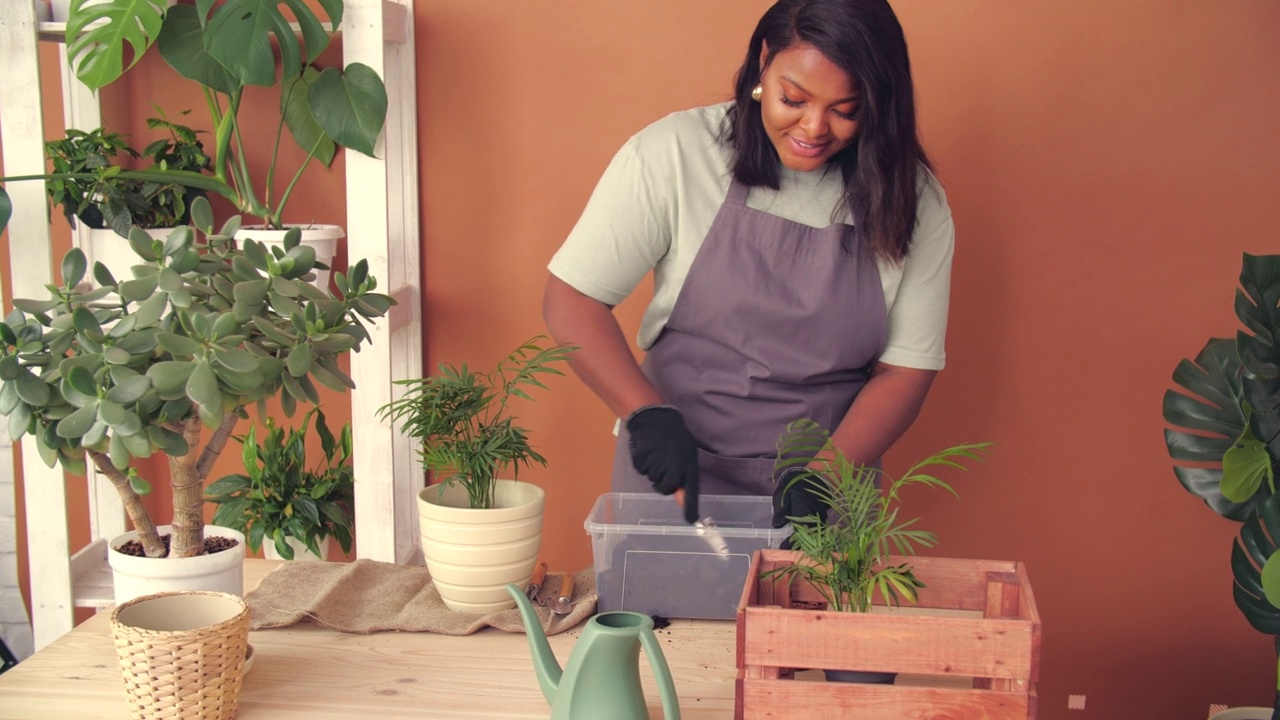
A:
{"x":602,"y":678}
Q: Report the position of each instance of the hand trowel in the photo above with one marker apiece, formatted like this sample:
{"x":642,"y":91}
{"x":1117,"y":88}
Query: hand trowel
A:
{"x":706,"y":527}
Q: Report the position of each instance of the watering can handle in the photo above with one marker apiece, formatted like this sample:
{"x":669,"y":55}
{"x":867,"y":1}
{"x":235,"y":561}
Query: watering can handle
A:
{"x":661,"y":673}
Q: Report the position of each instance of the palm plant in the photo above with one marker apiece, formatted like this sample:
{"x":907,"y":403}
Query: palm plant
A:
{"x":846,"y":557}
{"x":1225,"y":439}
{"x":463,"y":419}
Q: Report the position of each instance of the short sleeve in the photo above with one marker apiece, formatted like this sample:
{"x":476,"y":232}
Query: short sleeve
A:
{"x":918,"y":315}
{"x":624,"y":231}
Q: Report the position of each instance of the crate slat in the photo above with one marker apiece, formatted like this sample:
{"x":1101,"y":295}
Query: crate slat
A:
{"x":775,"y":700}
{"x":975,"y":619}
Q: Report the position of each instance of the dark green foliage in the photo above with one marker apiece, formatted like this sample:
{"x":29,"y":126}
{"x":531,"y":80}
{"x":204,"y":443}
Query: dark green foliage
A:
{"x":280,"y":495}
{"x":87,"y":182}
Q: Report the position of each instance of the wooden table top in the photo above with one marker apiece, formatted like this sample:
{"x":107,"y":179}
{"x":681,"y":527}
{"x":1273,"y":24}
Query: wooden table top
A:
{"x":305,"y":671}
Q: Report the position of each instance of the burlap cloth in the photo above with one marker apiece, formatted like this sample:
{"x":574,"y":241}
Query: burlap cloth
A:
{"x":367,"y":596}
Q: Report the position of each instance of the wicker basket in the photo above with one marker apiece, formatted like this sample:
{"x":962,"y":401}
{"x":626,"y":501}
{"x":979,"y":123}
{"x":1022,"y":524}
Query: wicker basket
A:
{"x":182,"y":654}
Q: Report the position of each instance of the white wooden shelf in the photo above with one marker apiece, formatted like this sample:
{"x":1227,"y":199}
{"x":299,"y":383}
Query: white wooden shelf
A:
{"x":382,"y":219}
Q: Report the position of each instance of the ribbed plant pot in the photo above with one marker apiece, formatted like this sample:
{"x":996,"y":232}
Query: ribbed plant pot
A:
{"x":300,"y":551}
{"x":137,"y":576}
{"x":183,"y":654}
{"x":473,"y":554}
{"x":321,"y":238}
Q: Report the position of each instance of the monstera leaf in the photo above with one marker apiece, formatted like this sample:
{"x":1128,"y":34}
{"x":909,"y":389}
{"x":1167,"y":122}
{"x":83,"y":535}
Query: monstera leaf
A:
{"x":96,"y":36}
{"x":1256,"y":567}
{"x":1258,"y":307}
{"x":1225,"y":438}
{"x":238,"y":36}
{"x":1210,"y":409}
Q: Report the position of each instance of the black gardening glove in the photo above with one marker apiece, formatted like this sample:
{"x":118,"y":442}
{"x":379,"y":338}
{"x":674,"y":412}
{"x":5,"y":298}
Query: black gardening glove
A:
{"x":794,"y":497}
{"x":663,"y":450}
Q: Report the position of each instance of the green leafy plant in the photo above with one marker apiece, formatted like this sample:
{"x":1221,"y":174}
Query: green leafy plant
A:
{"x":226,"y":47}
{"x":463,"y":419}
{"x":1224,"y":438}
{"x":86,"y":180}
{"x":204,"y":329}
{"x":279,"y":496}
{"x":846,"y":558}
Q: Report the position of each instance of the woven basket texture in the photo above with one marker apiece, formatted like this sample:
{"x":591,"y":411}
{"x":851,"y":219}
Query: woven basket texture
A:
{"x":188,"y":674}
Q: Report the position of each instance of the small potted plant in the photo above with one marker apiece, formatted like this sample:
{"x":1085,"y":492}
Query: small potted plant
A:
{"x":472,"y":522}
{"x":846,"y":558}
{"x":86,"y":183}
{"x":103,"y":375}
{"x":1224,"y":437}
{"x":281,"y":503}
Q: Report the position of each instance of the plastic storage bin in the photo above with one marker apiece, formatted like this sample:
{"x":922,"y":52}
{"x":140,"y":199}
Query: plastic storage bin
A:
{"x":649,"y":560}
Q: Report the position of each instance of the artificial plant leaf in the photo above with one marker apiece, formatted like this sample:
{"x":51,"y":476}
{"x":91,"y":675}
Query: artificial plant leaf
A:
{"x":295,"y":105}
{"x":1245,"y":466}
{"x":1211,"y":408}
{"x":129,"y":390}
{"x":170,"y":376}
{"x":202,"y":214}
{"x":203,"y":388}
{"x":177,"y":345}
{"x":181,"y":44}
{"x":1249,"y":567}
{"x":239,"y":37}
{"x":173,"y":444}
{"x":299,"y":362}
{"x":350,"y":106}
{"x":78,"y":423}
{"x":74,"y":266}
{"x":6,"y":209}
{"x":97,"y":33}
{"x":19,"y":421}
{"x":31,"y":389}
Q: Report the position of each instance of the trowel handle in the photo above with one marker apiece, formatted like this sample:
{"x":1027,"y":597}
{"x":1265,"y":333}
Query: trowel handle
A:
{"x":661,"y":673}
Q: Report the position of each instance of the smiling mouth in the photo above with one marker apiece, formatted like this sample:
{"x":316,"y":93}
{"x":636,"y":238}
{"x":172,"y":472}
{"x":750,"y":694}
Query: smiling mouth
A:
{"x":807,"y":149}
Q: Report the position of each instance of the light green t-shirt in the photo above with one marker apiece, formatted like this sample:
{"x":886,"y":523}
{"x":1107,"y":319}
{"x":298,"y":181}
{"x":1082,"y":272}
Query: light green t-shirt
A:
{"x":655,"y":204}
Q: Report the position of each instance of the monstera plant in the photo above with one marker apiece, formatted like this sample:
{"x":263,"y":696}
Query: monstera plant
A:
{"x":1226,"y":424}
{"x":102,"y":375}
{"x":226,"y":47}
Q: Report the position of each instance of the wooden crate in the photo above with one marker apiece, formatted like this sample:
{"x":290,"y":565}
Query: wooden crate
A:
{"x":975,"y":631}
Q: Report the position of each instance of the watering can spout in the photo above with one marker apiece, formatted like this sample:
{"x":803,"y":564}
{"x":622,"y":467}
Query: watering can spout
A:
{"x":545,"y":665}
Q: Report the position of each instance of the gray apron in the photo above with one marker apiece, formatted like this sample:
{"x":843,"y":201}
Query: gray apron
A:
{"x":776,"y":321}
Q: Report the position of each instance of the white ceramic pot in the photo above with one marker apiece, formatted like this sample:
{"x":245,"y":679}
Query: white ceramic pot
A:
{"x":112,"y":250}
{"x":322,"y":238}
{"x":473,"y":554}
{"x":137,"y":576}
{"x":300,"y":551}
{"x":1243,"y":713}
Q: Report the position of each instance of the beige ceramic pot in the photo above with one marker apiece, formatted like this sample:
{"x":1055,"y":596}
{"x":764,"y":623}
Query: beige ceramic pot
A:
{"x":321,"y":238}
{"x":473,"y":554}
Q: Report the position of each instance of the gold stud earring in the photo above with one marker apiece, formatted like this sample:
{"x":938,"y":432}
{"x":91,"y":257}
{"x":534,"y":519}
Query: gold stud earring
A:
{"x":757,"y":93}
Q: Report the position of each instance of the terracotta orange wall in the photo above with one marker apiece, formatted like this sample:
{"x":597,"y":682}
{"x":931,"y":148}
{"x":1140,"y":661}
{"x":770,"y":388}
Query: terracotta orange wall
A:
{"x":1106,"y":163}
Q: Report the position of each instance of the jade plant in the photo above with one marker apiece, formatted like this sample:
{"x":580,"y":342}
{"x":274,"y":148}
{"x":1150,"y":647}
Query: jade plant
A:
{"x":169,"y":360}
{"x":463,"y":419}
{"x":846,"y":557}
{"x":225,"y":48}
{"x":280,"y":495}
{"x":1224,"y":437}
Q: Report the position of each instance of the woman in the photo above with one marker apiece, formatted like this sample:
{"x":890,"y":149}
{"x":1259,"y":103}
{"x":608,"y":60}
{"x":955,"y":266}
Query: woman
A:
{"x":801,"y":251}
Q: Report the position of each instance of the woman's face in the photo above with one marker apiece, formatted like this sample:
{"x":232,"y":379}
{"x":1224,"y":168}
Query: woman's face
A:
{"x":808,"y":106}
